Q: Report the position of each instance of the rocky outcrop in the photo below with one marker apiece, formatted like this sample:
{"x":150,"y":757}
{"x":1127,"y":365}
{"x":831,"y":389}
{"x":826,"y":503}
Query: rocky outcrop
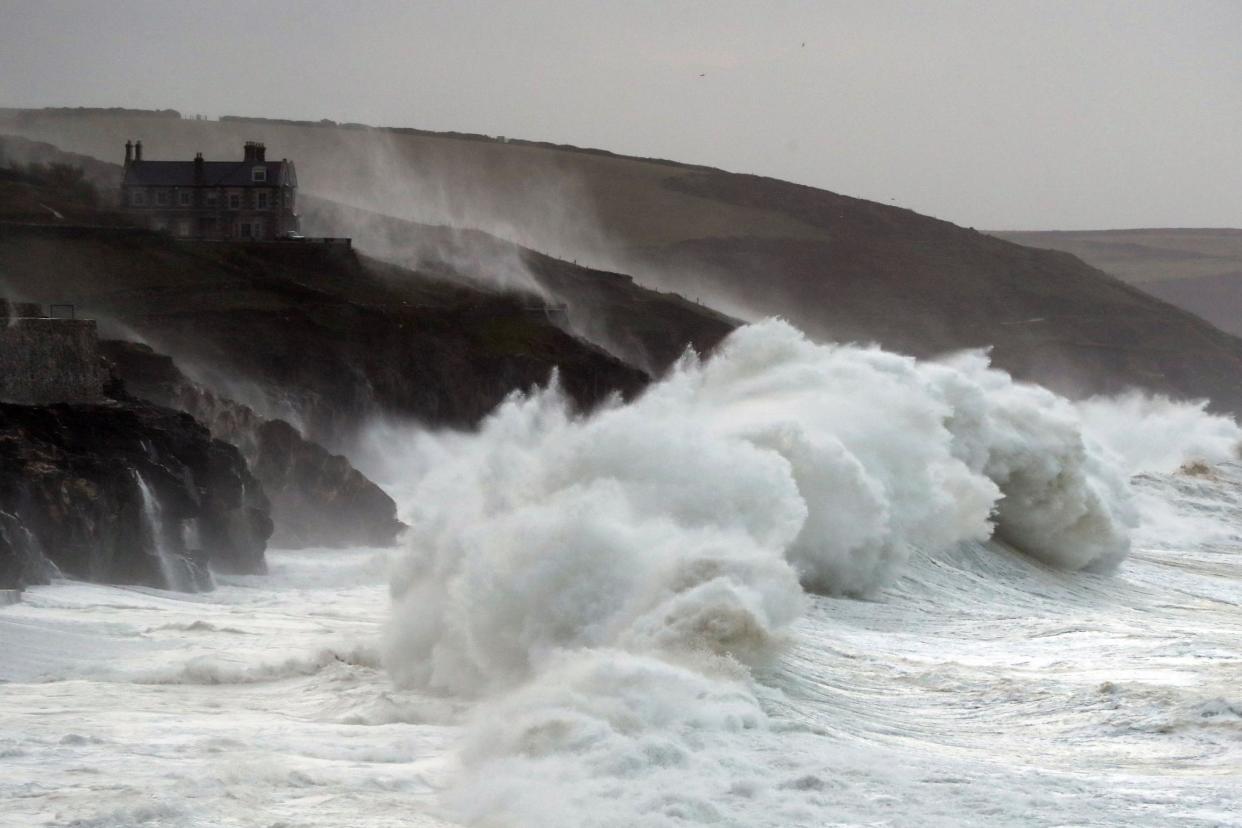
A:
{"x":318,"y":498}
{"x":126,"y":493}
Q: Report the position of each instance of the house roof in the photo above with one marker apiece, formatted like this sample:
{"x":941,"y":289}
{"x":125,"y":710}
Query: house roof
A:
{"x":215,"y":174}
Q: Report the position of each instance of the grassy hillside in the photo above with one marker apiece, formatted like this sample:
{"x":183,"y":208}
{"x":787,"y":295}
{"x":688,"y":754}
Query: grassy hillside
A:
{"x":1146,"y":255}
{"x":1199,"y":270}
{"x":646,"y":328}
{"x":841,"y":268}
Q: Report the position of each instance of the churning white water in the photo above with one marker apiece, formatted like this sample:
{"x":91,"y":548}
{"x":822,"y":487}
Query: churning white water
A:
{"x":793,"y":585}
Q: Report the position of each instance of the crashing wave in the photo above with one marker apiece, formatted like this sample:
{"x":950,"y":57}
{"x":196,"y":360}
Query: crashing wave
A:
{"x":672,"y":537}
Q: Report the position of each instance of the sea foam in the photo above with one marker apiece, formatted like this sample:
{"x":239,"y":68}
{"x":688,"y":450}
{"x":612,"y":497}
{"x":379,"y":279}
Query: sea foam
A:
{"x":566,"y":569}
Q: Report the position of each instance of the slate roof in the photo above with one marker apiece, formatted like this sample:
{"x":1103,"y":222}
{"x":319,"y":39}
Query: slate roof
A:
{"x":215,"y":174}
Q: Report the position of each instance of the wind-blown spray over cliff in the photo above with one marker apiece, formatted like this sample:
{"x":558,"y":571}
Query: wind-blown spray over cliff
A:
{"x":838,"y":267}
{"x":608,"y":583}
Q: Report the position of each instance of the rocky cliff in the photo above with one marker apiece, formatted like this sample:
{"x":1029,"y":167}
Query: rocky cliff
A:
{"x":123,"y":492}
{"x":318,"y":498}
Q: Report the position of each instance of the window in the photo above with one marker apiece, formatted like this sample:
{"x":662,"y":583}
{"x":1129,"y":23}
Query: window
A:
{"x":234,"y":201}
{"x":211,"y":198}
{"x":185,"y":198}
{"x":183,"y":228}
{"x":245,"y":230}
{"x":262,"y":200}
{"x":258,"y":175}
{"x":138,"y":198}
{"x":161,"y":198}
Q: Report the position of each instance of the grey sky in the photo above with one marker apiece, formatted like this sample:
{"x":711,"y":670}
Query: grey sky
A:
{"x":992,"y":114}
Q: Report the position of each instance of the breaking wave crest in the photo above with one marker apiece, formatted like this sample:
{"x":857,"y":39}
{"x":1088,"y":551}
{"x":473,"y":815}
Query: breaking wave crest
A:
{"x":224,"y":669}
{"x":606,"y":583}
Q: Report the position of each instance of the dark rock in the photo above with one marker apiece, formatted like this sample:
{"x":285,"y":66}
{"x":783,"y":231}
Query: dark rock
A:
{"x":127,"y":493}
{"x":317,"y":498}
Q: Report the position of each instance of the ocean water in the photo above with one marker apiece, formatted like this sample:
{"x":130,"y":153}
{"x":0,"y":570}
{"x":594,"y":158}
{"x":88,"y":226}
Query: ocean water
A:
{"x":981,"y":688}
{"x":795,"y":585}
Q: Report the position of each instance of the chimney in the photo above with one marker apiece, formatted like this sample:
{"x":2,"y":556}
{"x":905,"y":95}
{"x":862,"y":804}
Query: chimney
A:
{"x":198,"y":168}
{"x":129,"y":152}
{"x":249,"y":149}
{"x":138,"y":151}
{"x":260,"y":152}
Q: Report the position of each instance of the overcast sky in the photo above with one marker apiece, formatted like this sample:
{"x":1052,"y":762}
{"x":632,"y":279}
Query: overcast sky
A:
{"x":1023,"y":115}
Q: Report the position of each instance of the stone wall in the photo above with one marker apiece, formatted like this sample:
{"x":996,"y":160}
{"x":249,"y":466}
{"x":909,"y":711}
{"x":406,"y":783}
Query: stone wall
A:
{"x":44,"y":361}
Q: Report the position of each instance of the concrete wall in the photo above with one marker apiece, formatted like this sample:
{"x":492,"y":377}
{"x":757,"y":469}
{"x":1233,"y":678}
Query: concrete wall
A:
{"x":45,"y":361}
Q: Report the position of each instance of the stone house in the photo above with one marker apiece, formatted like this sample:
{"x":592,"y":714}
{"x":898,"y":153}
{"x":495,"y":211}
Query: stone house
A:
{"x":251,"y":199}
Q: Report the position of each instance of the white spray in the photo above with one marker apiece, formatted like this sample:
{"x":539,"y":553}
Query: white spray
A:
{"x":607,"y":582}
{"x":171,"y":569}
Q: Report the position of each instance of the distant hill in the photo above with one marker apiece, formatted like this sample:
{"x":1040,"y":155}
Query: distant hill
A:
{"x":840,"y":268}
{"x":1199,"y":270}
{"x":1144,"y":256}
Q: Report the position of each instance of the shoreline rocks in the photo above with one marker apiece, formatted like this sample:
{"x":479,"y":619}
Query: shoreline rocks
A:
{"x":124,"y":492}
{"x":317,"y":498}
